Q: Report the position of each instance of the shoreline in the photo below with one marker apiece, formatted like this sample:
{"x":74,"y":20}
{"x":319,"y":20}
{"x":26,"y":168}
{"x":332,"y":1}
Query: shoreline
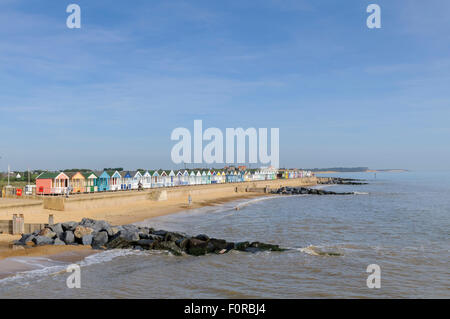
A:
{"x":76,"y":254}
{"x":7,"y":250}
{"x":129,"y":212}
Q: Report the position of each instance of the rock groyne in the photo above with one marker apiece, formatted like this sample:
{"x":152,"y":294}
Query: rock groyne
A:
{"x":101,"y":235}
{"x":306,"y":191}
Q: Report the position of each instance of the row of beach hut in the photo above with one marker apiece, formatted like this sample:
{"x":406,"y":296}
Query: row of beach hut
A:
{"x":54,"y":183}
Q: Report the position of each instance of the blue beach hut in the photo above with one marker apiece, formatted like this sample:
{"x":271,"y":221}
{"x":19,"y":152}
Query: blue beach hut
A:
{"x":126,"y":180}
{"x":103,"y":181}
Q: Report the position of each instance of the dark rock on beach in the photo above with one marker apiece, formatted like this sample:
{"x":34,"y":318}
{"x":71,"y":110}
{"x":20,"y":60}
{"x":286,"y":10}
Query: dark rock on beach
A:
{"x":242,"y":246}
{"x":58,"y":242}
{"x":68,"y":237}
{"x":69,"y":226}
{"x":306,"y":191}
{"x":101,"y":235}
{"x":58,"y":229}
{"x":100,"y":239}
{"x":196,"y":247}
{"x":42,"y":240}
{"x":86,"y":240}
{"x":81,"y":231}
{"x":47,"y":232}
{"x":342,"y":181}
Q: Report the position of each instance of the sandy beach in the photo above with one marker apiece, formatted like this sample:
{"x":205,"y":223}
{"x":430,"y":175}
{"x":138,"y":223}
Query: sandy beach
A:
{"x":121,"y":215}
{"x":127,"y":208}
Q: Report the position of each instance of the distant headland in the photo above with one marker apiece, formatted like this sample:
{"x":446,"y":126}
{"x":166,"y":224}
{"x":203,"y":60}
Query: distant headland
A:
{"x":354,"y":170}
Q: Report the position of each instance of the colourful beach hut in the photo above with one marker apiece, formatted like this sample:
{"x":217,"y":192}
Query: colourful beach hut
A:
{"x":77,"y":182}
{"x":185,"y":178}
{"x":198,"y":178}
{"x":103,"y":182}
{"x":136,"y":178}
{"x":164,"y":177}
{"x":172,"y":178}
{"x":115,"y":182}
{"x":45,"y":183}
{"x":204,"y":178}
{"x":90,"y":182}
{"x":126,"y":180}
{"x":147,"y":180}
{"x":208,"y":177}
{"x":178,"y":178}
{"x":192,"y":178}
{"x":157,"y":181}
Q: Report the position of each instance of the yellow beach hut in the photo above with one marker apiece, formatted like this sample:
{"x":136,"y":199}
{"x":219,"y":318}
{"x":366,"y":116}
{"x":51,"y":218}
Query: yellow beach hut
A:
{"x":77,"y":182}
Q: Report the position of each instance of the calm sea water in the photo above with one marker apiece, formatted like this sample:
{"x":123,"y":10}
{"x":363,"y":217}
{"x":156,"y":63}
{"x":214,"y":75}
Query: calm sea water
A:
{"x":400,"y":221}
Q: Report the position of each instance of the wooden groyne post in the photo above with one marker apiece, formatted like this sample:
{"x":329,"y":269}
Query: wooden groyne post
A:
{"x":18,"y":224}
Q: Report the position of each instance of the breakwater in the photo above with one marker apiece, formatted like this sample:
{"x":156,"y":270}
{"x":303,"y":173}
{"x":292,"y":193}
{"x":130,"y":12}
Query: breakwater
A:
{"x":340,"y":181}
{"x":101,"y":235}
{"x":306,"y":191}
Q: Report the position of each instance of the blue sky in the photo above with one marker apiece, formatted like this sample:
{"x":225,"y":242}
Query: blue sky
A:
{"x":109,"y":94}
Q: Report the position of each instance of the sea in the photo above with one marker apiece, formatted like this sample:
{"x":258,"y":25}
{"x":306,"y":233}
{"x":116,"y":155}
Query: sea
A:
{"x":398,"y":223}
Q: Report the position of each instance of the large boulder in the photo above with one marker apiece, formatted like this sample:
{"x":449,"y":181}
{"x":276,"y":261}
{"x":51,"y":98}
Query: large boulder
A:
{"x":202,"y":237}
{"x":182,"y":243}
{"x":114,"y":230}
{"x":47,"y":232}
{"x":42,"y":240}
{"x":156,"y":237}
{"x":26,"y":239}
{"x":69,"y":226}
{"x":146,"y":243}
{"x":196,"y":247}
{"x":120,"y":242}
{"x":97,"y":225}
{"x":242,"y":245}
{"x":171,"y":236}
{"x":100,"y":239}
{"x":87,"y":239}
{"x":58,"y":229}
{"x":81,"y":231}
{"x":129,"y":235}
{"x":169,"y":246}
{"x":58,"y":242}
{"x":161,"y":233}
{"x":68,"y":237}
{"x":216,"y":245}
{"x":130,"y":228}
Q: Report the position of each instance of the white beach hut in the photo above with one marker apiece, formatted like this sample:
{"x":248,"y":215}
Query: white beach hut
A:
{"x":147,"y":179}
{"x":116,"y":181}
{"x":192,"y":178}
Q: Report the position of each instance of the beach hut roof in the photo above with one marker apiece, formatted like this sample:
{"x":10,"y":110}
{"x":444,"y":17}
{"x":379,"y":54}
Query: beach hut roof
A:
{"x":104,"y":174}
{"x":135,"y":173}
{"x":116,"y":175}
{"x":89,"y":175}
{"x":126,"y":174}
{"x":73,"y":174}
{"x":62,"y":175}
{"x":48,"y":175}
{"x":147,"y":173}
